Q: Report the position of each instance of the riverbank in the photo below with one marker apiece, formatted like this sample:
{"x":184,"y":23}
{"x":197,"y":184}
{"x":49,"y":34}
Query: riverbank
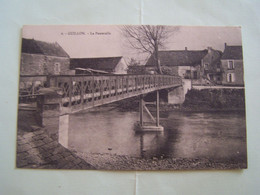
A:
{"x":214,"y":99}
{"x":35,"y":149}
{"x":123,"y":162}
{"x":133,"y":105}
{"x":205,"y":100}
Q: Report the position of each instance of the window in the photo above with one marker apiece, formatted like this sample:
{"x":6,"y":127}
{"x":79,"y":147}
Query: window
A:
{"x":57,"y":68}
{"x":230,"y":77}
{"x":195,"y":75}
{"x":187,"y":74}
{"x":230,"y":64}
{"x":206,"y":66}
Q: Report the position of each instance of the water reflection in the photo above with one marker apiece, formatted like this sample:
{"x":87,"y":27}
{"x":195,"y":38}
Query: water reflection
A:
{"x":186,"y":135}
{"x":150,"y":143}
{"x":214,"y":135}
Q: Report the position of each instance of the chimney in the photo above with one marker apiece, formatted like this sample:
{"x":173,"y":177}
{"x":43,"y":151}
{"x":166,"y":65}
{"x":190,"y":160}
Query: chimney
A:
{"x":225,"y":45}
{"x":186,"y":48}
{"x":209,"y":49}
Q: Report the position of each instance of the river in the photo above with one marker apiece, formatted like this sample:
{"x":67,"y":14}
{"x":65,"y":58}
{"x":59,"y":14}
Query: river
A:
{"x":212,"y":135}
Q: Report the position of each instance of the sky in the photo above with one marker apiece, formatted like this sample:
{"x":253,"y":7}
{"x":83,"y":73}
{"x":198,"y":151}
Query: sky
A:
{"x":85,"y":41}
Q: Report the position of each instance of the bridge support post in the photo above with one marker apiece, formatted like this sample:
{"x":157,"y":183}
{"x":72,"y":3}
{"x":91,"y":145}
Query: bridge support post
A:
{"x":155,"y":126}
{"x":141,"y":110}
{"x":157,"y":109}
{"x":48,"y":112}
{"x":63,"y":132}
{"x":177,"y":95}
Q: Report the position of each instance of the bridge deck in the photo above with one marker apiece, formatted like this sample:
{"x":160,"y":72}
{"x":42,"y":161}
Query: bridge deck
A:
{"x":83,"y":92}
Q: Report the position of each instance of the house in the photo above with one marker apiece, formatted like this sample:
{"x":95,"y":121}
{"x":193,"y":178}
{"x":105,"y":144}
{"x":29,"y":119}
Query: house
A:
{"x":232,"y":65}
{"x":42,"y":58}
{"x":114,"y":65}
{"x":185,"y":63}
{"x":211,"y":66}
{"x":138,"y":69}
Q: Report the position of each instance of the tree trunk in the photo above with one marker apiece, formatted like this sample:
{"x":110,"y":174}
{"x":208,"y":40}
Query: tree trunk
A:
{"x":157,"y":61}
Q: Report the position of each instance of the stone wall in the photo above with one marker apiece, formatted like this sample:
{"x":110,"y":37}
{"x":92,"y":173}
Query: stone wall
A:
{"x":37,"y":64}
{"x":32,"y":64}
{"x":52,"y":60}
{"x":48,"y":113}
{"x":176,"y":96}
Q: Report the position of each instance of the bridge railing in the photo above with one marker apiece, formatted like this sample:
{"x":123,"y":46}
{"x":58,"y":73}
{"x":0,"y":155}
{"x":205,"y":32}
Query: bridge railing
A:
{"x":84,"y":91}
{"x":30,"y":85}
{"x":81,"y":92}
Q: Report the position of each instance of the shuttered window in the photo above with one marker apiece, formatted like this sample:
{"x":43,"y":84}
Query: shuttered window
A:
{"x":206,"y":66}
{"x":231,"y":65}
{"x":57,"y":68}
{"x":230,"y":77}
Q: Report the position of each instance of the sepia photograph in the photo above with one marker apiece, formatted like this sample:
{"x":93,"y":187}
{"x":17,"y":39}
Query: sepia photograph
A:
{"x":131,"y":97}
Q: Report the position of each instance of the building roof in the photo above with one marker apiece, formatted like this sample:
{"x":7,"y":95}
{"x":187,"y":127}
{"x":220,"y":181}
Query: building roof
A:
{"x":232,"y":52}
{"x":89,"y":70}
{"x":32,"y":46}
{"x":213,"y":59}
{"x":178,"y":57}
{"x":104,"y":63}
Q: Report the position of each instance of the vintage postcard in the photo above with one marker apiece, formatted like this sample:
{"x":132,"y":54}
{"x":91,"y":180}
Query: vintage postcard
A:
{"x":133,"y":97}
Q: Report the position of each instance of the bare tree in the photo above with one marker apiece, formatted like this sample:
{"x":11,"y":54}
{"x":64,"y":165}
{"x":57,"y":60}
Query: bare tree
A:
{"x":148,"y":39}
{"x":133,"y":62}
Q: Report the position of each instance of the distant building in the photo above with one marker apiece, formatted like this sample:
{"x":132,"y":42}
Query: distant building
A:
{"x":114,"y":65}
{"x":211,"y":66}
{"x":232,"y":64}
{"x":42,"y":58}
{"x":138,"y":69}
{"x":185,"y":63}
